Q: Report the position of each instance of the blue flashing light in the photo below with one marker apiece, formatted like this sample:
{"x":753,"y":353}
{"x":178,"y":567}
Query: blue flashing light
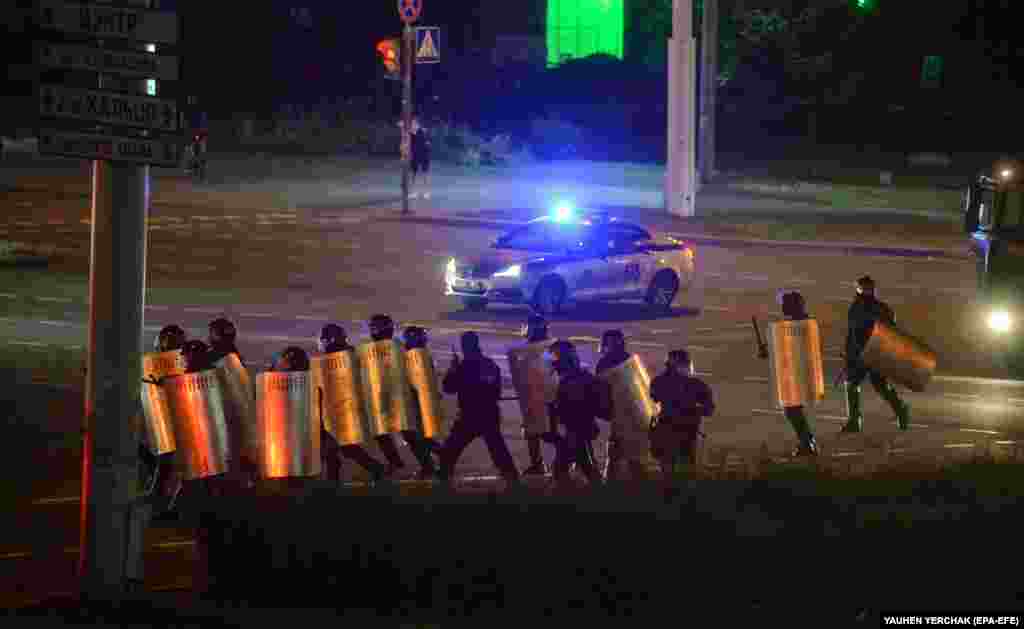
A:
{"x":563,"y":212}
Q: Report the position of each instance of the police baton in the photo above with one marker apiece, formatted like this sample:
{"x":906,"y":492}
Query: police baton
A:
{"x":762,"y":349}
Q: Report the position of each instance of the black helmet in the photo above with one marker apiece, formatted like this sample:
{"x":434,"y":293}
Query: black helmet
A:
{"x":470,"y":342}
{"x":536,"y":328}
{"x":171,"y":337}
{"x":793,"y":305}
{"x":381,"y":327}
{"x":292,"y":359}
{"x":222,"y":332}
{"x":612,"y":340}
{"x":197,"y":356}
{"x":563,"y":356}
{"x":680,"y":359}
{"x":332,"y":335}
{"x":415,"y":337}
{"x":866,"y":285}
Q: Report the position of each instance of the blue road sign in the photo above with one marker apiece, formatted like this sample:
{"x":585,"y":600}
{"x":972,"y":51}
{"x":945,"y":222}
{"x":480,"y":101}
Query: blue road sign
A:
{"x":428,"y":44}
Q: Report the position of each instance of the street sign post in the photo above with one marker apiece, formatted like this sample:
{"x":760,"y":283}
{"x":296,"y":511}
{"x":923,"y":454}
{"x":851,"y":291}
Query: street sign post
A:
{"x":152,"y":151}
{"x":409,"y":11}
{"x":145,"y":65}
{"x":112,"y":108}
{"x":109,"y":22}
{"x":428,"y":44}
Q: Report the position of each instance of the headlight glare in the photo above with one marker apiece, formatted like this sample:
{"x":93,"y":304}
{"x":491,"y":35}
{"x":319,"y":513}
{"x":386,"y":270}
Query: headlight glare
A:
{"x":512,"y":271}
{"x":1000,"y":321}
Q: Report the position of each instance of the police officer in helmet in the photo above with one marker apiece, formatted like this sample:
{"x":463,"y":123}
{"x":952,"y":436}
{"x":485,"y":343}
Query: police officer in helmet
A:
{"x":865,"y":310}
{"x":536,"y":332}
{"x":613,"y":354}
{"x":222,"y":335}
{"x":416,"y":337}
{"x":197,"y":356}
{"x":476,"y":380}
{"x":333,"y":338}
{"x":170,"y":338}
{"x":581,"y":399}
{"x":685,"y":402}
{"x":382,"y":327}
{"x":794,"y":308}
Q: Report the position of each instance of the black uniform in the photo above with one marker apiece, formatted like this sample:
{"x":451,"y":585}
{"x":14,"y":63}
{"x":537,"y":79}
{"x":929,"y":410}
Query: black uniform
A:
{"x":685,"y":401}
{"x":476,"y":380}
{"x":794,"y":308}
{"x":865,"y":310}
{"x":613,"y":454}
{"x":580,"y":400}
{"x":353,"y":452}
{"x":420,"y":151}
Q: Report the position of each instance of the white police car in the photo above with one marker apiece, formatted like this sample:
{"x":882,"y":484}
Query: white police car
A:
{"x":589,"y":256}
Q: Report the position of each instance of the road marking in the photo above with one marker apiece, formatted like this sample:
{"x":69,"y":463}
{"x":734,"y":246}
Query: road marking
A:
{"x":61,"y":300}
{"x":962,"y":396}
{"x":978,"y":430}
{"x":973,"y":380}
{"x":175,"y":544}
{"x":260,"y":314}
{"x":15,"y":556}
{"x":705,"y":329}
{"x":28,"y":343}
{"x":59,"y":324}
{"x":312,"y":318}
{"x":716,"y":308}
{"x":755,"y":378}
{"x":157,"y":307}
{"x":958,"y":445}
{"x":644,"y":344}
{"x":8,"y":295}
{"x":203,"y":310}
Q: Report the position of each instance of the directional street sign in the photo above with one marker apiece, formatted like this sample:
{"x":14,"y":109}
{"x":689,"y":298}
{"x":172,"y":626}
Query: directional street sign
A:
{"x":409,"y":10}
{"x":144,"y":65}
{"x":105,"y":22}
{"x":126,"y":110}
{"x":153,"y":151}
{"x":428,"y":44}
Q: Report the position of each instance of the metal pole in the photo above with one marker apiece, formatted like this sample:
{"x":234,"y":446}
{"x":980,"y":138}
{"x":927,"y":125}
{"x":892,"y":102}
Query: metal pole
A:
{"x":708,"y":89}
{"x":679,"y":176}
{"x":408,"y":41}
{"x":108,"y":543}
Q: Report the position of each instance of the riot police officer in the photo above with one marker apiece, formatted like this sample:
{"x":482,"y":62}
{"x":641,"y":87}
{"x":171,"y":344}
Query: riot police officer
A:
{"x":170,"y":338}
{"x":794,"y":308}
{"x":685,"y":402}
{"x":222,"y":335}
{"x":865,"y":310}
{"x":537,"y":332}
{"x":197,"y":356}
{"x":416,"y":337}
{"x":334,"y":339}
{"x":580,"y":400}
{"x":382,"y":327}
{"x":476,"y":380}
{"x":613,"y":354}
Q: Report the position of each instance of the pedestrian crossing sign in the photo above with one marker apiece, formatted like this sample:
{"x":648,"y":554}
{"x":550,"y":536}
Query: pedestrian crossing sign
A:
{"x":428,"y":44}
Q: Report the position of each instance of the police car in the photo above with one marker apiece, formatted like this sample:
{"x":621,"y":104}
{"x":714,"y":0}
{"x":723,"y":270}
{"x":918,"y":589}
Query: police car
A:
{"x":574,"y":256}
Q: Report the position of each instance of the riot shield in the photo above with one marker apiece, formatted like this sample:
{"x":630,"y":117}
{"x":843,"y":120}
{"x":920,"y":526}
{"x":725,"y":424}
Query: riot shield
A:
{"x":632,"y":408}
{"x":196,"y":404}
{"x":339,"y":395}
{"x":239,"y":404}
{"x":796,"y":368}
{"x":535,"y":384}
{"x":899,"y":357}
{"x":386,"y":388}
{"x":423,"y":378}
{"x":286,"y":426}
{"x":157,"y":425}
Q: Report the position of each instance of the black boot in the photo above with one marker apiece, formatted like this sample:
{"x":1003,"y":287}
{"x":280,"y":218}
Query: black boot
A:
{"x":797,"y":419}
{"x":537,"y":467}
{"x":855,"y":421}
{"x":902,"y":410}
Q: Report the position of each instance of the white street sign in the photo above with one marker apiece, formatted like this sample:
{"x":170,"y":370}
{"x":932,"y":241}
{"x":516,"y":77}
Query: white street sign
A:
{"x":153,"y":151}
{"x":104,"y":60}
{"x":126,"y":110}
{"x":104,"y":21}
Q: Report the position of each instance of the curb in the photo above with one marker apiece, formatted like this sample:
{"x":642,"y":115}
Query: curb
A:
{"x":714,"y":241}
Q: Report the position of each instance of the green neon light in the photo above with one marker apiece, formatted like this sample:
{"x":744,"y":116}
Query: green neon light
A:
{"x":580,"y":28}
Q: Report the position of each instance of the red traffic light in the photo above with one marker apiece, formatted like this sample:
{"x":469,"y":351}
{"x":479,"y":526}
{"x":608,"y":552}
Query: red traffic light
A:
{"x":389,"y":50}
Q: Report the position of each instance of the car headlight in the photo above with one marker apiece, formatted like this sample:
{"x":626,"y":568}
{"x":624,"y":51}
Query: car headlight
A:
{"x":449,"y":269}
{"x":512,"y":271}
{"x":1000,"y":321}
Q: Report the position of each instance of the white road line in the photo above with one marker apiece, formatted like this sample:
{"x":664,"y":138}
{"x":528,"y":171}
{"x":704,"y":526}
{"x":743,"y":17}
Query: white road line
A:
{"x":312,"y":318}
{"x":962,"y":396}
{"x":705,"y":329}
{"x":958,"y":445}
{"x":62,"y":300}
{"x":28,"y":343}
{"x":162,"y":308}
{"x":973,"y":380}
{"x":270,"y":315}
{"x":8,"y":295}
{"x":978,"y":430}
{"x":716,"y":308}
{"x":755,"y":378}
{"x":644,"y":344}
{"x":203,"y":310}
{"x":59,"y":324}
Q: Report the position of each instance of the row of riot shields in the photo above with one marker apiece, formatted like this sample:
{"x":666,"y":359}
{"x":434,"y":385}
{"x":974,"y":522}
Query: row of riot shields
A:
{"x":215,"y":419}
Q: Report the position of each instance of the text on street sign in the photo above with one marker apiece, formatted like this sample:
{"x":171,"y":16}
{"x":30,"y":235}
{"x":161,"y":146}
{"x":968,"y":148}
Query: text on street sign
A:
{"x":155,"y":152}
{"x":108,"y":61}
{"x":73,"y":103}
{"x":409,"y":10}
{"x":103,"y":21}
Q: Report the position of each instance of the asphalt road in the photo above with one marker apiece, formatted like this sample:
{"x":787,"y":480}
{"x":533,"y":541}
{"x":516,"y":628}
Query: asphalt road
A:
{"x":281,"y":274}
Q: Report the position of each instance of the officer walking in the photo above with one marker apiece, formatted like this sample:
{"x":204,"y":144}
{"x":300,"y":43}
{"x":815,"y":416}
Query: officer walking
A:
{"x":416,"y":337}
{"x":334,"y":339}
{"x":476,"y":380}
{"x":170,"y":338}
{"x":613,"y":354}
{"x":222,"y":335}
{"x":685,"y":402}
{"x":580,"y":400}
{"x":537,"y":332}
{"x":794,"y":308}
{"x":382,"y":327}
{"x":865,"y":310}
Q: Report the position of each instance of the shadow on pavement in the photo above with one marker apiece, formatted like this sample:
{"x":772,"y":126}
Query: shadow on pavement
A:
{"x":593,"y":312}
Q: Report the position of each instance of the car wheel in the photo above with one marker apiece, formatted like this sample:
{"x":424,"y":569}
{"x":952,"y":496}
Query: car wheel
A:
{"x":549,"y":297}
{"x":475,"y":304}
{"x":662,"y":291}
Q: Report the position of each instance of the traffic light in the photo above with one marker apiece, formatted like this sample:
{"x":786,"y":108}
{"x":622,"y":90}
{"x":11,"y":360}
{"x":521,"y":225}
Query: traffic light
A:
{"x":390,"y":54}
{"x":866,"y":6}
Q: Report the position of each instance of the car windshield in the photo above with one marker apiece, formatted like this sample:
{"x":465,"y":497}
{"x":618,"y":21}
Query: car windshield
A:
{"x":549,"y":237}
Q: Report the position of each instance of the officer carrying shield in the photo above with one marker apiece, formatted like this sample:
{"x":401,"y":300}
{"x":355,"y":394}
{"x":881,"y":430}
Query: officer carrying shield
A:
{"x":613,"y":354}
{"x":222,"y":334}
{"x":382,"y":327}
{"x":334,"y":339}
{"x":416,"y":337}
{"x":197,"y":356}
{"x":865,"y":310}
{"x":685,"y":402}
{"x":171,"y":338}
{"x":794,"y":308}
{"x":476,"y":380}
{"x":533,"y":430}
{"x":581,"y":399}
